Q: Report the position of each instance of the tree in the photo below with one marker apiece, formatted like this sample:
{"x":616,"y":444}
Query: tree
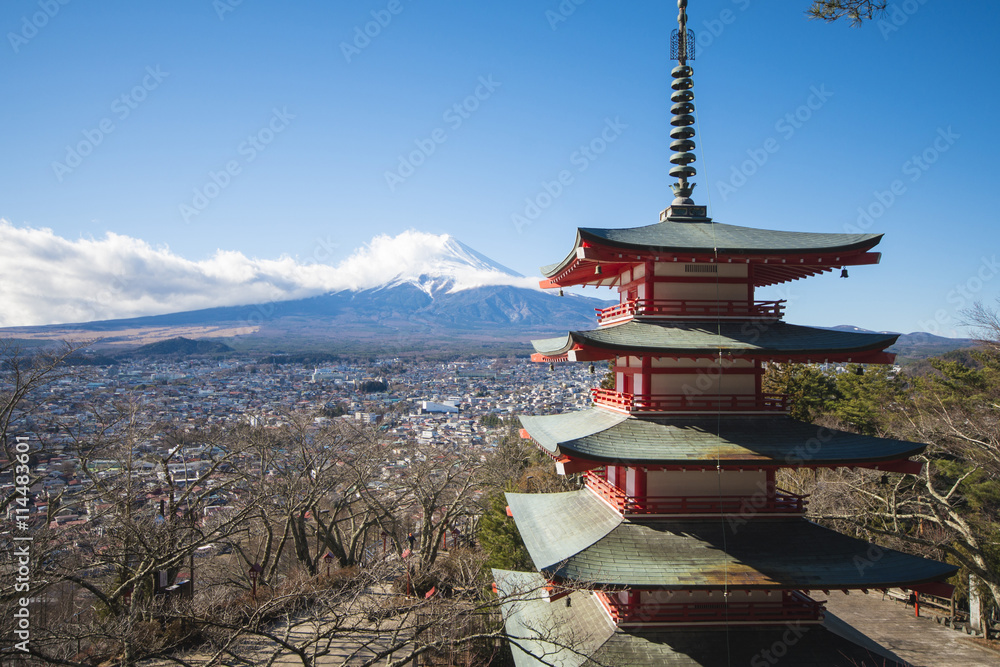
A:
{"x":865,"y":397}
{"x":950,"y":510}
{"x":856,"y":11}
{"x":309,"y":478}
{"x":22,"y":377}
{"x":810,"y":391}
{"x":491,"y":420}
{"x":142,"y":513}
{"x":500,"y":538}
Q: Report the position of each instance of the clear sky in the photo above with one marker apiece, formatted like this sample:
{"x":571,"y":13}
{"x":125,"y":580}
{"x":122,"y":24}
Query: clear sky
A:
{"x":280,"y":133}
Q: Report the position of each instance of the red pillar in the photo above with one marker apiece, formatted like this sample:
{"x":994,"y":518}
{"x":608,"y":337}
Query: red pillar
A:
{"x":758,"y":381}
{"x":640,"y":488}
{"x":647,"y":379}
{"x":632,"y":604}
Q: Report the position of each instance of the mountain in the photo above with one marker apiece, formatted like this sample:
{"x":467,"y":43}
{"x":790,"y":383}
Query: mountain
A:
{"x":415,"y":291}
{"x":453,"y":295}
{"x":919,"y":344}
{"x":183,"y":347}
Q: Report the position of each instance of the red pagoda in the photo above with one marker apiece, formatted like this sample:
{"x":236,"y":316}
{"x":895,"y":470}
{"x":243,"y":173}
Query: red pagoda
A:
{"x":681,"y":549}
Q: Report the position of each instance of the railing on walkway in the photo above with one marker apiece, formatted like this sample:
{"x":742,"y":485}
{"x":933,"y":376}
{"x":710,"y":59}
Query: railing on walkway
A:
{"x":782,"y":502}
{"x":689,"y":308}
{"x":793,"y":606}
{"x":689,"y":403}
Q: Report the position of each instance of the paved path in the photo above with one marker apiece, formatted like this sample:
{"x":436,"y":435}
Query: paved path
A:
{"x":889,"y":628}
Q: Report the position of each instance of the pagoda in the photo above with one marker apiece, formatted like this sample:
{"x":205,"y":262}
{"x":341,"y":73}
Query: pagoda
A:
{"x":681,"y":549}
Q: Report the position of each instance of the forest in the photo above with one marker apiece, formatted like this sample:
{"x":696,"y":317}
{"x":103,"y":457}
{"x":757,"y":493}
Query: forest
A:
{"x":239,"y":544}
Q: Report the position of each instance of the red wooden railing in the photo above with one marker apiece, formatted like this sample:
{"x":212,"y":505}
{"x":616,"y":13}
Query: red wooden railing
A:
{"x":689,"y":403}
{"x":782,"y":502}
{"x":689,"y":308}
{"x":793,"y":606}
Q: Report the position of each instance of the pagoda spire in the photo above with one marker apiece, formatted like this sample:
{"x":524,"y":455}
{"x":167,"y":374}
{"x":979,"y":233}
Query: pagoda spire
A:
{"x":682,"y":49}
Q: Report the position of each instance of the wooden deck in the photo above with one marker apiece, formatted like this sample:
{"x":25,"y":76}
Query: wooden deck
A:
{"x":889,"y":628}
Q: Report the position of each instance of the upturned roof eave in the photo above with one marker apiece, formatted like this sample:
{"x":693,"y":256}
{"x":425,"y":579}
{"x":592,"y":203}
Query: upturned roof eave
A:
{"x":576,"y":536}
{"x":591,"y":235}
{"x":602,"y":436}
{"x":862,"y":243}
{"x":720,"y":342}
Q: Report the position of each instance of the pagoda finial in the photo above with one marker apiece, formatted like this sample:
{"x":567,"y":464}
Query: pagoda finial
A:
{"x":682,"y":47}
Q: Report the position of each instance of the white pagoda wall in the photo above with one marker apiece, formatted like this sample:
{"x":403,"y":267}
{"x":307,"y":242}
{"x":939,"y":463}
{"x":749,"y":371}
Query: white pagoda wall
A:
{"x":707,"y":483}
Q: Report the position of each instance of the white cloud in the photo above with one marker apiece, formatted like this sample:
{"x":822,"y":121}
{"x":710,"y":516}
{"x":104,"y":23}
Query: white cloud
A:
{"x":47,"y":279}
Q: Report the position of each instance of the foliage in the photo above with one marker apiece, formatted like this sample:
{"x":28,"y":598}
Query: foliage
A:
{"x":949,"y":511}
{"x":811,"y":392}
{"x":373,"y":386}
{"x":609,"y":380}
{"x":865,"y":397}
{"x":856,"y":11}
{"x":491,"y":420}
{"x":499,"y":536}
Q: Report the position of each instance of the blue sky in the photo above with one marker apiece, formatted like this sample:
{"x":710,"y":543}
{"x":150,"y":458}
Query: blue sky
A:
{"x":274,"y":133}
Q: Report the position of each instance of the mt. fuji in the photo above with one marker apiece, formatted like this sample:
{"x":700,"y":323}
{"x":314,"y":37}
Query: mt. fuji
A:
{"x":411,"y":291}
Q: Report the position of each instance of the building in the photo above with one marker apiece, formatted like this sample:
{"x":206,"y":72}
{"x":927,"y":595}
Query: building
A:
{"x":681,"y":549}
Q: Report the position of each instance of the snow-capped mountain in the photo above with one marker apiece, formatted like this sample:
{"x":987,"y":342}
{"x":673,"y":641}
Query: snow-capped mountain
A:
{"x":433,"y":263}
{"x":413,"y":290}
{"x":452,"y":266}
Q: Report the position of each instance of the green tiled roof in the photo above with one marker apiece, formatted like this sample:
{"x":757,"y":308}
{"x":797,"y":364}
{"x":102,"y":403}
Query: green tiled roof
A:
{"x":537,"y":627}
{"x":709,"y":237}
{"x":728,"y":239}
{"x":711,"y":337}
{"x":708,"y":553}
{"x":601,"y":435}
{"x":542,"y":633}
{"x":588,"y":522}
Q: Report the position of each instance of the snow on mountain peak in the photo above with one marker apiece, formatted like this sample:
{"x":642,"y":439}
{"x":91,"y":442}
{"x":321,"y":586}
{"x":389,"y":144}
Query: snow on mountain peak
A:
{"x":47,"y":279}
{"x":429,"y":261}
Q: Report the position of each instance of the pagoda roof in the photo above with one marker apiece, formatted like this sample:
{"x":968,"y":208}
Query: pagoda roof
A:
{"x":726,"y":239}
{"x":576,"y":536}
{"x":768,"y":340}
{"x":546,"y":633}
{"x":605,"y":436}
{"x":778,"y":255}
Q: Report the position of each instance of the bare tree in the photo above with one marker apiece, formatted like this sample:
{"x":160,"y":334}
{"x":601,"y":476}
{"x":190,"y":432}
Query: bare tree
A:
{"x":23,"y":378}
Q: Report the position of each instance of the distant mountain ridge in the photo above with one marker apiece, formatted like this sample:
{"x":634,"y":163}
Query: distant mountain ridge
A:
{"x":181,"y":346}
{"x":444,"y":294}
{"x":918,"y":344}
{"x":458,"y":295}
